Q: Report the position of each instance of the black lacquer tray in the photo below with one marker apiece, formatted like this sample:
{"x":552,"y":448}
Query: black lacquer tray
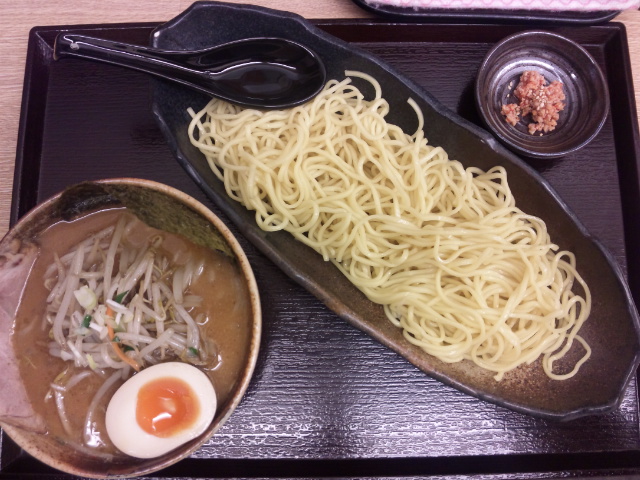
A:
{"x":613,"y":327}
{"x":326,"y":399}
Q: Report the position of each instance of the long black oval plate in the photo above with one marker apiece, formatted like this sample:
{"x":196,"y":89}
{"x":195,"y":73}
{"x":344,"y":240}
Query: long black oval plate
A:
{"x":613,"y":328}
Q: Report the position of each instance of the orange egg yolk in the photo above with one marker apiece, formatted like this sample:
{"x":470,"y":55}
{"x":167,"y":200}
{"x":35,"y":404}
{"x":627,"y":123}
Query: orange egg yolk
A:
{"x":166,"y":406}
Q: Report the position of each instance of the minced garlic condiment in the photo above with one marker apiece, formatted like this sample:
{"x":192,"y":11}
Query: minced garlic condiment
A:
{"x":543,"y":102}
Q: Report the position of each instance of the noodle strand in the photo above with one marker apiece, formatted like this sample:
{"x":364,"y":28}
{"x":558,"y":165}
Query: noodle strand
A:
{"x":464,"y":272}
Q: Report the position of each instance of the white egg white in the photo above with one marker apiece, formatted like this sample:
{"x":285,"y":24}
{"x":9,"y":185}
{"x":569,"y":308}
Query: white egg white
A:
{"x":123,"y":428}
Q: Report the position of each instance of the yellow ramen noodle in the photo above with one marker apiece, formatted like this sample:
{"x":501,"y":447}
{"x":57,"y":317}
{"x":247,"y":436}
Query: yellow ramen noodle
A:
{"x":457,"y":266}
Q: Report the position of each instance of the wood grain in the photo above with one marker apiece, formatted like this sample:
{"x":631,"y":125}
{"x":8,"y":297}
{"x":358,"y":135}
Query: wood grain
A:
{"x":18,"y":18}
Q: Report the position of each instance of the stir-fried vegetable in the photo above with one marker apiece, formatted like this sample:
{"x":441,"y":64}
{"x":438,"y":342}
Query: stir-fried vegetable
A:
{"x":116,"y":307}
{"x":109,"y":297}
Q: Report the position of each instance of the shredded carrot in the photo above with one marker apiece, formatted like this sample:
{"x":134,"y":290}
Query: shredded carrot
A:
{"x":125,"y":358}
{"x":119,"y":352}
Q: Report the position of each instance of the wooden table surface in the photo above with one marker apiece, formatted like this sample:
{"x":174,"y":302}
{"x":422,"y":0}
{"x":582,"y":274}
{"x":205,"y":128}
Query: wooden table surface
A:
{"x":17,"y":18}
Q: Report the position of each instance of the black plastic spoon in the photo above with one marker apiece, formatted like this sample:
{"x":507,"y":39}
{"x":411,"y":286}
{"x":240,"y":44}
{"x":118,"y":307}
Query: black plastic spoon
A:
{"x":255,"y":72}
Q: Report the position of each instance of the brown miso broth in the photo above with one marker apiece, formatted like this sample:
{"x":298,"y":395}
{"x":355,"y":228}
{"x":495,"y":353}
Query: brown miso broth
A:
{"x":225,"y":304}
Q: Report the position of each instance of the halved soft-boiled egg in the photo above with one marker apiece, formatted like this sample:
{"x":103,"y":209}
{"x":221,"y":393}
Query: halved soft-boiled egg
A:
{"x":159,"y":409}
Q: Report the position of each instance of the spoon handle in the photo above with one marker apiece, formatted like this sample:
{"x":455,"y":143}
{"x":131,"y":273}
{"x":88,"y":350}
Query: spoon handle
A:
{"x":255,"y":72}
{"x":149,"y":60}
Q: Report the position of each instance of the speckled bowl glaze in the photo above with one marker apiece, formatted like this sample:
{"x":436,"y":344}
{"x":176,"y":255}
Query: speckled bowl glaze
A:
{"x":613,"y":326}
{"x":168,"y":209}
{"x":556,"y":58}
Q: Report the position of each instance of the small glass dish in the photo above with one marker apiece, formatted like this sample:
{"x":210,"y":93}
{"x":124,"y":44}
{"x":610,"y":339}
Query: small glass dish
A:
{"x":556,"y":58}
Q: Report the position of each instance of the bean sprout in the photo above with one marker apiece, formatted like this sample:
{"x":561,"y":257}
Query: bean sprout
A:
{"x":146,"y":297}
{"x":140,"y":316}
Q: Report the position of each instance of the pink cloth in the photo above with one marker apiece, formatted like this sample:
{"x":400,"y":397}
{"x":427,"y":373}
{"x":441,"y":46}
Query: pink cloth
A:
{"x":557,"y":5}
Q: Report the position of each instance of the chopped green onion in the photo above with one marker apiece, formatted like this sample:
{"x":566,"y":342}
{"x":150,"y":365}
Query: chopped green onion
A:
{"x":120,"y":297}
{"x":194,"y":352}
{"x":86,"y":321}
{"x":127,"y":348}
{"x":116,"y":339}
{"x":91,"y":361}
{"x":86,"y":297}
